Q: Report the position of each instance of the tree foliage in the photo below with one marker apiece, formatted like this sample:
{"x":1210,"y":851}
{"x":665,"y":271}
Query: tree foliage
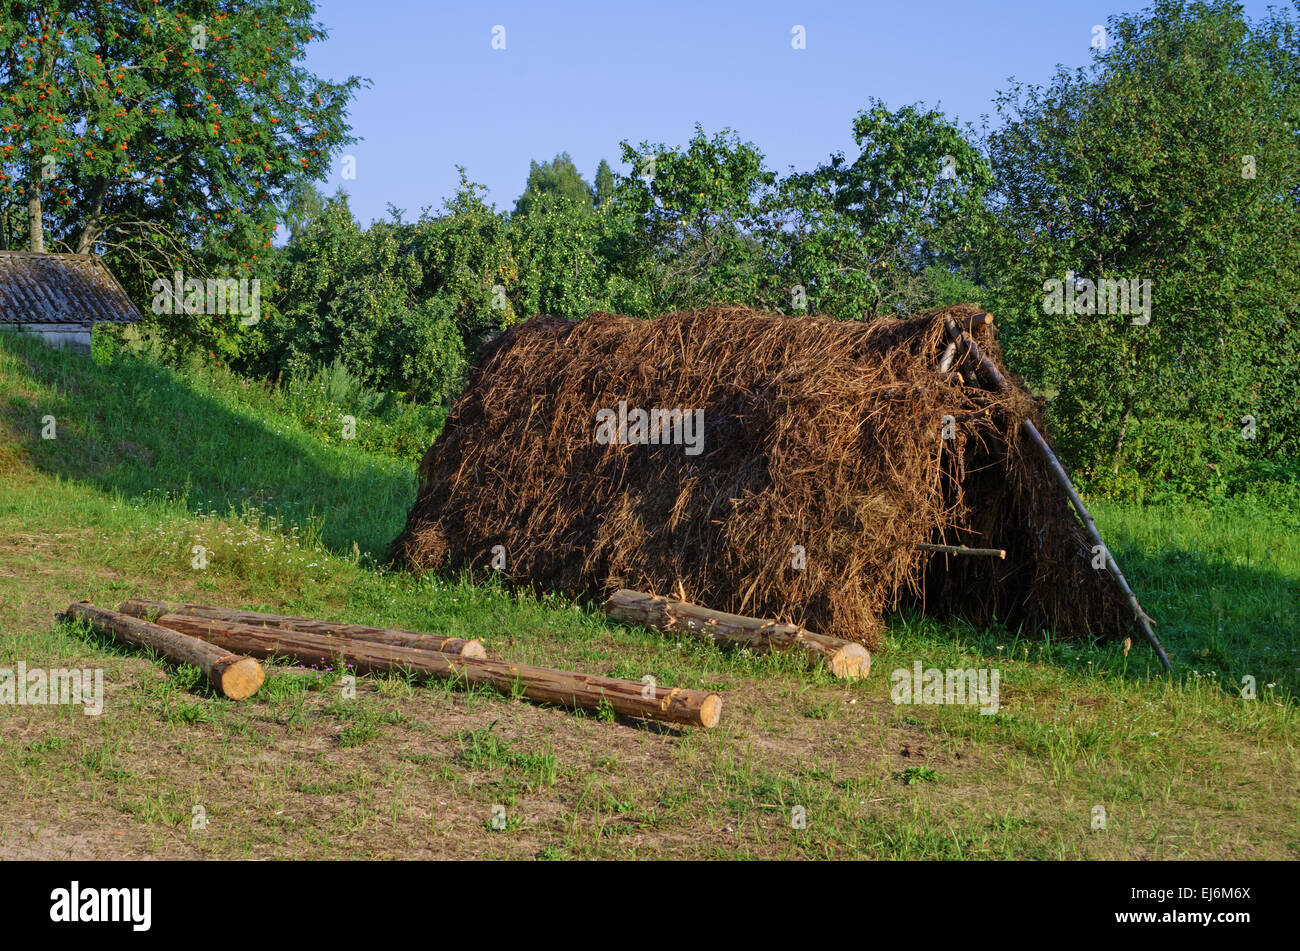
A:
{"x":604,"y":185}
{"x":550,"y":182}
{"x":161,"y":135}
{"x":1175,"y":159}
{"x":693,"y":216}
{"x":859,"y":236}
{"x":359,"y":297}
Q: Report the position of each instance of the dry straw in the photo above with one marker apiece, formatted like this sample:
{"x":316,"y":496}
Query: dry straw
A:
{"x":817,"y":433}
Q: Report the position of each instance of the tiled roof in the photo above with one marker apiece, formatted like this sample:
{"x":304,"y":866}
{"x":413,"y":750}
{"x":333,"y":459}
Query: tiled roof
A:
{"x":60,"y":288}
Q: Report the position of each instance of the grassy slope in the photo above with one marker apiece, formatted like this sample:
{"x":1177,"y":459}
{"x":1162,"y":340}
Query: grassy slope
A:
{"x":148,"y":464}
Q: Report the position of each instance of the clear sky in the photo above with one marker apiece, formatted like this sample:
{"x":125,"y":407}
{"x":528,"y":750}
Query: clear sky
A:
{"x":579,"y":77}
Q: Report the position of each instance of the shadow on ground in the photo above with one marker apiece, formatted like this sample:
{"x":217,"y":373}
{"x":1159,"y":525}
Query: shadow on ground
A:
{"x":132,"y":428}
{"x":1215,"y":618}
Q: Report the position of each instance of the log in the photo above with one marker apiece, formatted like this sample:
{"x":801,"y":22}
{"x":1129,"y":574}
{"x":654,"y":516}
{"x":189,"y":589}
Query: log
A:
{"x":963,"y":366}
{"x":985,"y":364}
{"x":963,"y":550}
{"x":564,"y":688}
{"x":231,"y":675}
{"x":970,"y":323}
{"x":843,"y":658}
{"x":1063,"y":479}
{"x":945,"y":361}
{"x":394,"y":637}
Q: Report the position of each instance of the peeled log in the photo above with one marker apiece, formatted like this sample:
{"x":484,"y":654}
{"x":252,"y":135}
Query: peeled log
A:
{"x":945,"y":361}
{"x":843,"y":658}
{"x":963,"y":550}
{"x":394,"y":637}
{"x":231,"y":675}
{"x":561,"y":687}
{"x":971,"y":323}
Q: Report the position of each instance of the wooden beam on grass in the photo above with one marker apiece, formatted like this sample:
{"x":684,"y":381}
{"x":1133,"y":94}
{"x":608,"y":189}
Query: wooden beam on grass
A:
{"x":843,"y":658}
{"x":561,"y":687}
{"x":230,"y":674}
{"x":394,"y":637}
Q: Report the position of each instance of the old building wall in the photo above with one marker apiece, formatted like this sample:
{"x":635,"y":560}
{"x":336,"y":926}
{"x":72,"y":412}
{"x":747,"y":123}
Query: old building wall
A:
{"x":76,"y":336}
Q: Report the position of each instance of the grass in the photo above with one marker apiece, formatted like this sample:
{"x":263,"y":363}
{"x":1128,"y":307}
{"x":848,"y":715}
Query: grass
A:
{"x":147,"y":465}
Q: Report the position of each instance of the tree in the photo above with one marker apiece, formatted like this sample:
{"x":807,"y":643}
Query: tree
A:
{"x":303,"y":204}
{"x":467,"y":256}
{"x":693,"y":214}
{"x":357,"y":296}
{"x":548,"y":181}
{"x":1174,"y":160}
{"x":560,"y":271}
{"x":858,"y":235}
{"x":152,"y":136}
{"x":604,"y":189}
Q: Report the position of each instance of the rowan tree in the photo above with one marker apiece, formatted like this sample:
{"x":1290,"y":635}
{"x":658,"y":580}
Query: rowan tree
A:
{"x":163,"y":133}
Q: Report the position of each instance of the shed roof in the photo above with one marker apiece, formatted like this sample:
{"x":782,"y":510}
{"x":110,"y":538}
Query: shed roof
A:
{"x":60,"y":289}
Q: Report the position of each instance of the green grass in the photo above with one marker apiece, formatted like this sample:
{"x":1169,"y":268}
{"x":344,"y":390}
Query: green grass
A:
{"x":149,"y":463}
{"x":205,"y":440}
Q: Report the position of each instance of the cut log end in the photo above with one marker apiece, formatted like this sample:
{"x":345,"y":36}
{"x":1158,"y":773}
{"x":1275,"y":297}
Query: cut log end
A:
{"x":690,"y":707}
{"x":972,"y":323}
{"x":231,"y":675}
{"x":852,"y":662}
{"x":710,"y":711}
{"x":473,"y":649}
{"x":240,"y":679}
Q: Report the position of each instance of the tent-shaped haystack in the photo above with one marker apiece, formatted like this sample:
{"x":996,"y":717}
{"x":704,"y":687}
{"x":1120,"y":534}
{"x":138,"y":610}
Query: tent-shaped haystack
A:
{"x":830,"y":451}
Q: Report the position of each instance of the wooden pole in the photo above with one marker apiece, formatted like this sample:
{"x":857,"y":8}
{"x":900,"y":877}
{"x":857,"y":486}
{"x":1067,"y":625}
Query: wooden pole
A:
{"x":982,"y":359}
{"x":970,"y":323}
{"x":1058,"y":471}
{"x":843,"y":658}
{"x":561,"y":687}
{"x":963,"y":367}
{"x":963,"y":550}
{"x":231,"y":675}
{"x":945,"y":360}
{"x":394,"y":637}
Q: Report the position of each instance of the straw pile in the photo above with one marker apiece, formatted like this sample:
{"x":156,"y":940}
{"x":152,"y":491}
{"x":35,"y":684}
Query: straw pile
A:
{"x":818,"y":434}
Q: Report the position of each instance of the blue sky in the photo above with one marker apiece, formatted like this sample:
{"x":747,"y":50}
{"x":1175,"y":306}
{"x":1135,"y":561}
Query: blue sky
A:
{"x":580,"y":77}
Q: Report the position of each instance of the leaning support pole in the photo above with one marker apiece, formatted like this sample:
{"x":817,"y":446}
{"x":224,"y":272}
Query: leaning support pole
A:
{"x":1144,"y":622}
